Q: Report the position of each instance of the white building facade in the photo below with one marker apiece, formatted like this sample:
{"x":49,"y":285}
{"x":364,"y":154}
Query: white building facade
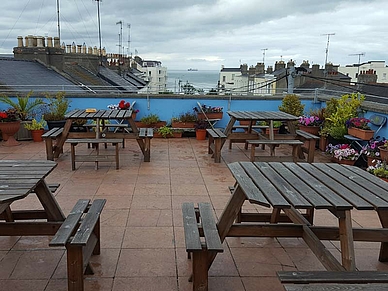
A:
{"x":379,"y":67}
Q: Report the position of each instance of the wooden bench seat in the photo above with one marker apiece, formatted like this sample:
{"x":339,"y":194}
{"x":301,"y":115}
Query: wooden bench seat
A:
{"x":343,"y":280}
{"x":199,"y":222}
{"x":216,"y":139}
{"x":49,"y":137}
{"x":80,"y":234}
{"x":96,"y":158}
{"x":146,"y":134}
{"x":272,"y":144}
{"x":115,"y":126}
{"x":309,"y":141}
{"x":237,"y":137}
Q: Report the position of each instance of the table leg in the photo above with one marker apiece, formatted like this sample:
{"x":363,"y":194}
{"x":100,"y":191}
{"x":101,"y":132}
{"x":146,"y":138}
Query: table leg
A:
{"x":50,"y":205}
{"x":346,"y":240}
{"x":383,"y":215}
{"x":62,"y":139}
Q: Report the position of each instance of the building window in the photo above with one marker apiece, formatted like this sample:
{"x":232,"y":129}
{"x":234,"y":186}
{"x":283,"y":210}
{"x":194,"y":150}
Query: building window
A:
{"x":223,"y":78}
{"x":232,"y":76}
{"x":384,"y":76}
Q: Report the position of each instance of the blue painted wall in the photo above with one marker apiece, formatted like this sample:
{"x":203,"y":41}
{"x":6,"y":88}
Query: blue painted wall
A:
{"x":171,"y":107}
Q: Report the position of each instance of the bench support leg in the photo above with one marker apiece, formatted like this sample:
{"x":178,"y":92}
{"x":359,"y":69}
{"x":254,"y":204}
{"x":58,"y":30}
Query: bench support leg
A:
{"x":200,"y":271}
{"x":147,"y":149}
{"x":49,"y":149}
{"x":75,"y":274}
{"x":72,"y":156}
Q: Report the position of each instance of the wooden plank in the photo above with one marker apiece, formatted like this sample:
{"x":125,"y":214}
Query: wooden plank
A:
{"x":336,"y":287}
{"x":327,"y":193}
{"x":209,"y":227}
{"x":304,"y":189}
{"x":281,"y":188}
{"x":344,"y":187}
{"x":192,"y":238}
{"x":266,"y":186}
{"x":68,"y":226}
{"x":86,"y":228}
{"x":93,"y":140}
{"x":303,"y":277}
{"x":252,"y":193}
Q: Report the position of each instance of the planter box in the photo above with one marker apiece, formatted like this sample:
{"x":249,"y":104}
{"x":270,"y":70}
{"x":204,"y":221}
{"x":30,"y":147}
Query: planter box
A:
{"x":310,"y":129}
{"x":178,"y":124}
{"x":24,"y":134}
{"x":175,"y":134}
{"x":361,"y":133}
{"x":216,"y":115}
{"x":140,"y":124}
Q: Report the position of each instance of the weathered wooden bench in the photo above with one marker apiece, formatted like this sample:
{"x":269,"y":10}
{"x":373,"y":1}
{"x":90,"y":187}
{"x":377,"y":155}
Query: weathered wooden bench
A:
{"x":343,"y":280}
{"x":272,"y":144}
{"x":199,"y":222}
{"x":146,"y":134}
{"x":115,"y":126}
{"x":49,"y":137}
{"x":309,"y":141}
{"x":96,"y":158}
{"x":256,"y":130}
{"x":216,"y":139}
{"x":80,"y":234}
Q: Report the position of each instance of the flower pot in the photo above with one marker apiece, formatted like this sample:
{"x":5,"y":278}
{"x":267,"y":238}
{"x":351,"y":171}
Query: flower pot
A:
{"x":310,"y":129}
{"x":178,"y":124}
{"x":361,"y":133}
{"x":383,"y":153}
{"x":23,"y":133}
{"x":37,"y":135}
{"x":200,"y":134}
{"x":8,"y":130}
{"x":55,"y":123}
{"x":371,"y":161}
{"x":275,"y":130}
{"x":343,"y":161}
{"x":323,"y":142}
{"x":214,"y":115}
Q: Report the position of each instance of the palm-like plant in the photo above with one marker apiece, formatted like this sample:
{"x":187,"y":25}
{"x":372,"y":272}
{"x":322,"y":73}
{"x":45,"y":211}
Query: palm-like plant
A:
{"x":24,"y":105}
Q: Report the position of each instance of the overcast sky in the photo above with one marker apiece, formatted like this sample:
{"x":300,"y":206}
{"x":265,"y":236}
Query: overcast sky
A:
{"x":206,"y":34}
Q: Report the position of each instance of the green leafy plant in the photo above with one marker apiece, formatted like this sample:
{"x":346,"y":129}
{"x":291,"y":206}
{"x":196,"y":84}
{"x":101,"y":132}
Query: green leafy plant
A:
{"x":338,"y":112}
{"x":150,"y":119}
{"x":186,"y":117}
{"x":24,"y":105}
{"x":58,"y":106}
{"x":166,"y":131}
{"x":35,"y":125}
{"x":291,"y":104}
{"x":201,"y":124}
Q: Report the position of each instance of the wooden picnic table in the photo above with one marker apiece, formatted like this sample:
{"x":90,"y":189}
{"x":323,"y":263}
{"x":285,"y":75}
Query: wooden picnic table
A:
{"x":18,"y":179}
{"x":293,"y":191}
{"x":100,"y":117}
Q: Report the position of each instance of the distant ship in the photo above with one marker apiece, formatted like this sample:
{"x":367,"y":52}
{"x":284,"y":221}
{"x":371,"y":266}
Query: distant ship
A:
{"x":192,"y":70}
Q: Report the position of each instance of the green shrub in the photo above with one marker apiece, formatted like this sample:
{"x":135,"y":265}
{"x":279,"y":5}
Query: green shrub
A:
{"x":291,"y":104}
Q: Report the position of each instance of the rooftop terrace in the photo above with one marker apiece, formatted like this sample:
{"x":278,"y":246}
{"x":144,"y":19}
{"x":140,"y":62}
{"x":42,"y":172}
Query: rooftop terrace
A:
{"x":142,"y":233}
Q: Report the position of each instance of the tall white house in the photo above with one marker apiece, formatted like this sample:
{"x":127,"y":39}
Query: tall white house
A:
{"x":378,"y":67}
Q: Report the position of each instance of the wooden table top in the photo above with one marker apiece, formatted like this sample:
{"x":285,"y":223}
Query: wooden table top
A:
{"x":100,"y":113}
{"x":304,"y":186}
{"x":19,"y":177}
{"x":262,"y":115}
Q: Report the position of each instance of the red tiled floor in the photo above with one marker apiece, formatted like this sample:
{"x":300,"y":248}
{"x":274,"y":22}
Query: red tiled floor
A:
{"x":142,"y":236}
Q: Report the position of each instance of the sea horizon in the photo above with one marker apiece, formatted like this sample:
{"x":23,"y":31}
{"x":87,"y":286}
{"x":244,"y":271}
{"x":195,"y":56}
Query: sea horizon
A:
{"x":199,"y":79}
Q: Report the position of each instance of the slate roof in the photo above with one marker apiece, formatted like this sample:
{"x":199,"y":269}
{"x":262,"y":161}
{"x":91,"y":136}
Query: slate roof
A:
{"x":24,"y":76}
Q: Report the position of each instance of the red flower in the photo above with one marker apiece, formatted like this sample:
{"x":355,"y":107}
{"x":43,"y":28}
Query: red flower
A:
{"x":124,"y":105}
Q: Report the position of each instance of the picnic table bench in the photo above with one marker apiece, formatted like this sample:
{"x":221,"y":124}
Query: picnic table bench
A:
{"x":199,"y":222}
{"x":97,"y":157}
{"x":81,"y":237}
{"x":309,"y":142}
{"x":324,"y":280}
{"x":50,"y":136}
{"x":272,"y":144}
{"x":216,"y":138}
{"x":146,"y":134}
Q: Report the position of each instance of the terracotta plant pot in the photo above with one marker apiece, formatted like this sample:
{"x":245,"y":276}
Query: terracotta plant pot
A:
{"x":200,"y":134}
{"x":8,"y":130}
{"x":383,"y":153}
{"x":310,"y":129}
{"x":37,"y":135}
{"x":215,"y":115}
{"x":361,"y":133}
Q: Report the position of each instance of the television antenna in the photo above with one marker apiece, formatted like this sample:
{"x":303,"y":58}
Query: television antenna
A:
{"x":58,"y":20}
{"x":359,"y":59}
{"x":99,"y":29}
{"x":265,"y":49}
{"x":129,"y":39}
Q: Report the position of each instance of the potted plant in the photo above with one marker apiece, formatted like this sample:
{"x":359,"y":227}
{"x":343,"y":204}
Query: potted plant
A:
{"x":166,"y":131}
{"x":200,"y":129}
{"x":57,"y":107}
{"x":9,"y":126}
{"x":124,"y":105}
{"x":26,"y":107}
{"x":384,"y":150}
{"x":184,"y":120}
{"x":310,"y":123}
{"x":379,"y":169}
{"x":151,"y":120}
{"x":342,"y":154}
{"x":210,"y":111}
{"x":371,"y":151}
{"x":359,"y":127}
{"x":37,"y":129}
